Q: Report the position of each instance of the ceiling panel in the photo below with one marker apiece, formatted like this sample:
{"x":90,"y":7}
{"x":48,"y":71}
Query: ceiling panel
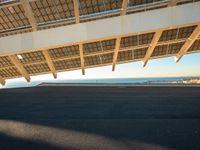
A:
{"x":132,"y":54}
{"x":136,"y":40}
{"x":99,"y":46}
{"x":125,"y":56}
{"x":160,"y":50}
{"x":37,"y":68}
{"x":31,"y":57}
{"x":51,"y":10}
{"x":174,"y":48}
{"x":67,"y":64}
{"x":195,"y":46}
{"x":5,"y":61}
{"x":107,"y":58}
{"x":140,"y":53}
{"x":92,"y":60}
{"x":98,"y":59}
{"x":96,"y":6}
{"x":13,"y":17}
{"x":9,"y":72}
{"x":178,"y":33}
{"x":185,"y":32}
{"x":64,"y":52}
{"x":167,"y":49}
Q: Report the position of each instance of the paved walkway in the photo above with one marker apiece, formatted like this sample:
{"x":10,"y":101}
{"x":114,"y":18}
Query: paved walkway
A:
{"x":100,"y":118}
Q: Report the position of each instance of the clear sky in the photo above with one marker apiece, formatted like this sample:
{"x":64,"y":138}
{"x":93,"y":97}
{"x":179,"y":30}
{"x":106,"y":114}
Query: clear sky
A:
{"x":189,"y":65}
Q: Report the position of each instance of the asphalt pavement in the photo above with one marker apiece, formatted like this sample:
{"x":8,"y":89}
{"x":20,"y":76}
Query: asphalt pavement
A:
{"x":100,"y":118}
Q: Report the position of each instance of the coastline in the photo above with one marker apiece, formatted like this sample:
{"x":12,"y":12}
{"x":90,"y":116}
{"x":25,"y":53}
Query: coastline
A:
{"x":181,"y":82}
{"x":118,"y":84}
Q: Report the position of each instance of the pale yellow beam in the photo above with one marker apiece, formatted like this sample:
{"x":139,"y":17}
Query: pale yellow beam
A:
{"x":173,"y":3}
{"x":29,"y":13}
{"x":76,"y":11}
{"x":20,"y":67}
{"x":152,"y":46}
{"x":2,"y":81}
{"x":82,"y":58}
{"x":195,"y":34}
{"x":124,"y":7}
{"x":50,"y":63}
{"x":117,"y":47}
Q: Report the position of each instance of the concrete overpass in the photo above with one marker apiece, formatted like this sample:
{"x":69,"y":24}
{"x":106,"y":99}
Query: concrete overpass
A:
{"x":39,"y":37}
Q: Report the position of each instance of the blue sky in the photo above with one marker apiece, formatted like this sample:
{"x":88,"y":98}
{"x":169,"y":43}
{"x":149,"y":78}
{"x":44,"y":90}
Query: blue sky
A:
{"x":189,"y":65}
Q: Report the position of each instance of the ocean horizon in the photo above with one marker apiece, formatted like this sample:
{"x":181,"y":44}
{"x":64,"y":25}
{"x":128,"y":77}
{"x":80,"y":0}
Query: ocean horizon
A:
{"x":129,"y":80}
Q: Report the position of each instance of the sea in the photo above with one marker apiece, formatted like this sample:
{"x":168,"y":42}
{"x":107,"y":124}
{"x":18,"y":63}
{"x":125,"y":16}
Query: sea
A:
{"x":128,"y":80}
{"x":97,"y":81}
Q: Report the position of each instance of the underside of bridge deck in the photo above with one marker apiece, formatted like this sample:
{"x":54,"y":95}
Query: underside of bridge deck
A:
{"x":39,"y":37}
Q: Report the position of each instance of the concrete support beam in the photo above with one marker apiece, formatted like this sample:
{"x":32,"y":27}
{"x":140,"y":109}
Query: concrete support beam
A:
{"x":82,"y":59}
{"x":173,"y":3}
{"x":20,"y":67}
{"x":152,"y":46}
{"x":76,"y":11}
{"x":188,"y":43}
{"x":29,"y":13}
{"x":50,"y":63}
{"x":114,"y":27}
{"x":2,"y":81}
{"x":124,"y":7}
{"x":117,"y":47}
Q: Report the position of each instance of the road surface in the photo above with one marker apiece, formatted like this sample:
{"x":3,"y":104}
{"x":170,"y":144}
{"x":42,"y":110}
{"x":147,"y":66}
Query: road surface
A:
{"x":100,"y":118}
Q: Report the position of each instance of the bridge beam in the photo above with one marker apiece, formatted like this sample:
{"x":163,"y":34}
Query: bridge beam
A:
{"x":173,"y":3}
{"x":50,"y":63}
{"x":29,"y":14}
{"x":2,"y":81}
{"x":117,"y":47}
{"x":76,"y":11}
{"x":20,"y":67}
{"x":82,"y":59}
{"x":124,"y":7}
{"x":152,"y":46}
{"x":188,"y":43}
